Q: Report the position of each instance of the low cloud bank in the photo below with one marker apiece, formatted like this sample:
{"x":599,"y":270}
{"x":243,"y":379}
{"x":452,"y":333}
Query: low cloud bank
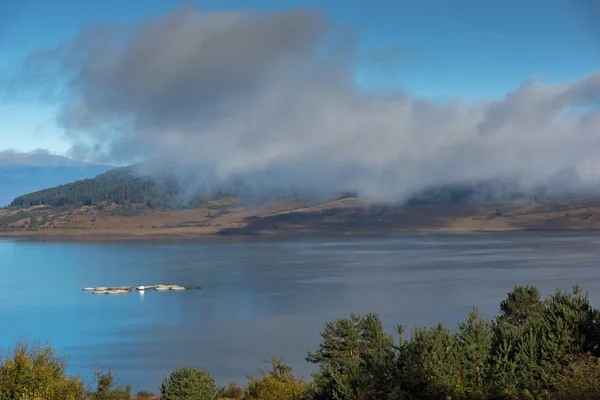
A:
{"x":271,"y":99}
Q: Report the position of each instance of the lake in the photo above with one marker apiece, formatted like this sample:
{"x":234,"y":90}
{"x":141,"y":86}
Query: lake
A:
{"x":263,"y":298}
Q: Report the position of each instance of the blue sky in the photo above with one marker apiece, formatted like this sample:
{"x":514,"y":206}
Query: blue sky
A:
{"x":461,"y":48}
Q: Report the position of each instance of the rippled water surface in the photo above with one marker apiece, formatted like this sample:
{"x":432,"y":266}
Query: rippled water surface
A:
{"x":260,"y":299}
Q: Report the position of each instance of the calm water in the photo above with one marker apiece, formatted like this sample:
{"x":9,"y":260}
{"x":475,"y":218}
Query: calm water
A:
{"x":263,"y":298}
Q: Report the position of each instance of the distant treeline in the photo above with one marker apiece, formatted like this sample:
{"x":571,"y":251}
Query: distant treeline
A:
{"x":120,"y":186}
{"x":534,"y":349}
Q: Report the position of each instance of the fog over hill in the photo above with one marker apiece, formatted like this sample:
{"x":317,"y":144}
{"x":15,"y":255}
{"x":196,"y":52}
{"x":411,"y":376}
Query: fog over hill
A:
{"x":134,"y":185}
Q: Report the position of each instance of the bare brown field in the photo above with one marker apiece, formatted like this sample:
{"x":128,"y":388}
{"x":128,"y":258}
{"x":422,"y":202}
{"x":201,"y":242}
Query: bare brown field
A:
{"x":289,"y":217}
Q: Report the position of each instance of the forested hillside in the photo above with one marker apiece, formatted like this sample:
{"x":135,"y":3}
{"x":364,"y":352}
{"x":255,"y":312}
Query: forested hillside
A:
{"x":17,"y":180}
{"x":121,"y":186}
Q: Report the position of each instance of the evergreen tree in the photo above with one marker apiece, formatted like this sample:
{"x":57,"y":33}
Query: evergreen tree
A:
{"x":189,"y":384}
{"x":356,"y":359}
{"x":521,"y":304}
{"x":473,"y":341}
{"x":429,"y":365}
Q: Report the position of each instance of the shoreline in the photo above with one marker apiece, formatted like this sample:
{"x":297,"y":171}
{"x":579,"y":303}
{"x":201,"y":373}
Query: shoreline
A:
{"x":263,"y":235}
{"x":343,"y":218}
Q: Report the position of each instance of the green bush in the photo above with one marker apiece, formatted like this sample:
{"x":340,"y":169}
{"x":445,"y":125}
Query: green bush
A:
{"x":189,"y":384}
{"x":32,"y":371}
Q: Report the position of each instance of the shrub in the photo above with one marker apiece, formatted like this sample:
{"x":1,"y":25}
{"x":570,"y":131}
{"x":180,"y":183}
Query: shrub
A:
{"x":36,"y":372}
{"x":233,"y":392}
{"x":108,"y":389}
{"x":276,"y":384}
{"x":144,"y":395}
{"x":579,"y":378}
{"x":189,"y":384}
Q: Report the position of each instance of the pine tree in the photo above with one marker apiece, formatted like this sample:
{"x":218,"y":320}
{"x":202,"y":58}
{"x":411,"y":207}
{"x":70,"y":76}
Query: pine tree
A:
{"x":474,"y":340}
{"x":356,"y":360}
{"x":429,"y":364}
{"x":522,"y":304}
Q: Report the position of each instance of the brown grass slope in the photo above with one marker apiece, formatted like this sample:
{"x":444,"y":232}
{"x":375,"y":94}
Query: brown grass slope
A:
{"x":290,"y":217}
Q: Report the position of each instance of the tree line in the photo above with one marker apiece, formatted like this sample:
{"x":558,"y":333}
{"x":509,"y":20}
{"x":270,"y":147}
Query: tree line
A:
{"x":534,"y":349}
{"x":120,"y":186}
{"x":125,"y":187}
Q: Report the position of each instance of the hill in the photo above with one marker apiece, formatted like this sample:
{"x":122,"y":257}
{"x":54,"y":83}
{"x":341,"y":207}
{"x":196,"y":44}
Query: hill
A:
{"x":129,"y":185}
{"x":123,"y":203}
{"x":120,"y":186}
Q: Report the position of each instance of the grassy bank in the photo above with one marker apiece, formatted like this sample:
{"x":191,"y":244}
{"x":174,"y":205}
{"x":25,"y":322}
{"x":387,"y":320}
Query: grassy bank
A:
{"x":290,"y":218}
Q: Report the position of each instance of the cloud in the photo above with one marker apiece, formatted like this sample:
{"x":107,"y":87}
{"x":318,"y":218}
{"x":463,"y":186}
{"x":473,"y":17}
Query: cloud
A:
{"x":271,"y":98}
{"x":38,"y":157}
